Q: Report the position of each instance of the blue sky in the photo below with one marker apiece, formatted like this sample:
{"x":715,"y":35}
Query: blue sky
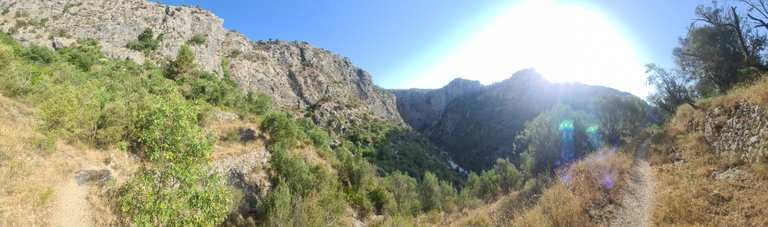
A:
{"x":397,"y":41}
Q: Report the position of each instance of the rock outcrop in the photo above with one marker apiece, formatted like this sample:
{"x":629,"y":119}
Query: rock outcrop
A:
{"x":298,"y":76}
{"x":422,"y":107}
{"x":741,"y":129}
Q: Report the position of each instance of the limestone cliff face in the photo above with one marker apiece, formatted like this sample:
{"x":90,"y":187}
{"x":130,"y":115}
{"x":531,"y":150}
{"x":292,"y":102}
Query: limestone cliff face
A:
{"x":422,"y":107}
{"x":299,"y":76}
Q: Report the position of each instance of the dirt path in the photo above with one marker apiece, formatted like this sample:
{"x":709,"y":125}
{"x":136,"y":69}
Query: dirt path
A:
{"x":637,"y":196}
{"x":71,"y":207}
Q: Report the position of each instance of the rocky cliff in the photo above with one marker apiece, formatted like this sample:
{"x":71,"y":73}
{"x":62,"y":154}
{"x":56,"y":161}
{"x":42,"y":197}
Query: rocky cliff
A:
{"x":298,"y":76}
{"x":476,"y":124}
{"x":422,"y":107}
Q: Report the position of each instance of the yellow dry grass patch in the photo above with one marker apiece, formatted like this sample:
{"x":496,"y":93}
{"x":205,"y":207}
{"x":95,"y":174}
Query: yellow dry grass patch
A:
{"x":689,"y":193}
{"x":756,"y":93}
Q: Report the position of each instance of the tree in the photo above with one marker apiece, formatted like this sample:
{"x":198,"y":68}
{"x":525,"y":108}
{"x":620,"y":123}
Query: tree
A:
{"x":183,"y":64}
{"x":554,"y":138}
{"x":673,"y":88}
{"x":720,"y":51}
{"x":430,"y":193}
{"x":620,"y":116}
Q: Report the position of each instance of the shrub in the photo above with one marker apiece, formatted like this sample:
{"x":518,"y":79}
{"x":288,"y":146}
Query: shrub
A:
{"x":183,"y":64}
{"x":198,"y":39}
{"x":69,"y":114}
{"x":429,"y":190}
{"x":166,"y":128}
{"x":543,"y":146}
{"x":39,"y":54}
{"x":84,"y":55}
{"x":281,"y":128}
{"x":176,"y":196}
{"x":146,"y":41}
{"x":172,"y":187}
{"x":405,"y":192}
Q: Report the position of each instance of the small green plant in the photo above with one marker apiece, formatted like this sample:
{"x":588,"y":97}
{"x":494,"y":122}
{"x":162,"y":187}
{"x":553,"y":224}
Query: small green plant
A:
{"x":146,"y":41}
{"x":198,"y":39}
{"x":183,"y":64}
{"x":45,"y":197}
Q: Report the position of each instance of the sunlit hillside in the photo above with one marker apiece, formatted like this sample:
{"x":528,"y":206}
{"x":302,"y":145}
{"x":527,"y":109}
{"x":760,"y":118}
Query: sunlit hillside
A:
{"x":138,"y":113}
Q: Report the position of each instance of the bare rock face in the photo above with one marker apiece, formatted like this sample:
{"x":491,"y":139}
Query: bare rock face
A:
{"x":299,"y":76}
{"x":422,"y":107}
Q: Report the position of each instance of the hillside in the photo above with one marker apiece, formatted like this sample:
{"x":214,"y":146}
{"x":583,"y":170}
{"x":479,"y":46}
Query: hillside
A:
{"x":476,"y":124}
{"x":296,"y":75}
{"x":711,"y":161}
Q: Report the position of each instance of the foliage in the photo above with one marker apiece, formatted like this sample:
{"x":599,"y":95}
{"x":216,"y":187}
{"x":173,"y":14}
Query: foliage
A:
{"x":621,"y":116}
{"x":198,"y":39}
{"x":430,"y":193}
{"x":281,"y":128}
{"x":39,"y":54}
{"x":672,"y":88}
{"x":146,"y":41}
{"x":541,"y":143}
{"x":405,"y":193}
{"x":83,"y":55}
{"x":183,"y":64}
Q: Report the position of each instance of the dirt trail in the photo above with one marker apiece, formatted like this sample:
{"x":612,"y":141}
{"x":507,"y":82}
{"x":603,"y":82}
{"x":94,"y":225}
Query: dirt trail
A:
{"x":637,"y":196}
{"x":71,"y":206}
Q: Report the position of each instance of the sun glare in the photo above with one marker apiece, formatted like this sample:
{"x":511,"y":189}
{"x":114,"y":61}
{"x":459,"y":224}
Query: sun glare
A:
{"x":564,"y":42}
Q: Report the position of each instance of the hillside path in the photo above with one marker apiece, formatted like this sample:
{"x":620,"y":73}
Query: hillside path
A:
{"x":71,"y":207}
{"x":637,"y":195}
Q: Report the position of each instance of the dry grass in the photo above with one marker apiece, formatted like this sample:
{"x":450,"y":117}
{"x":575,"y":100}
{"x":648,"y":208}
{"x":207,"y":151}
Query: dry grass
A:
{"x":690,"y":194}
{"x":582,"y":201}
{"x":756,"y":93}
{"x":583,"y":195}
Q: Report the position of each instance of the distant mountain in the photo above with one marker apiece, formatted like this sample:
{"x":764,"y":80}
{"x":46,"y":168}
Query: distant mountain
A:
{"x":476,"y":124}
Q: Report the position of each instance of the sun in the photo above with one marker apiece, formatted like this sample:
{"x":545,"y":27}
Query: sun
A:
{"x":564,"y":42}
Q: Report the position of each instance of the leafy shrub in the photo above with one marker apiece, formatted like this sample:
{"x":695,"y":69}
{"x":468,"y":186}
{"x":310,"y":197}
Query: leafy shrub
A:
{"x":166,"y":128}
{"x":176,"y":196}
{"x":430,"y":193}
{"x":172,"y":187}
{"x":39,"y":54}
{"x":84,"y":55}
{"x":69,"y":114}
{"x":281,"y":128}
{"x":183,"y":64}
{"x":405,"y":193}
{"x":541,"y":143}
{"x":198,"y":39}
{"x":146,"y":41}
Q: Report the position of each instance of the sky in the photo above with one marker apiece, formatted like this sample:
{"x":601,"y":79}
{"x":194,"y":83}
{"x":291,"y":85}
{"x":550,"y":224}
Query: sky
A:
{"x":427,"y":43}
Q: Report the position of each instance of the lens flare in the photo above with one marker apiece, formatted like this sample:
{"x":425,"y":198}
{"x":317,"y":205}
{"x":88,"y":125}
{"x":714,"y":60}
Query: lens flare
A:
{"x":595,"y":137}
{"x":566,"y":131}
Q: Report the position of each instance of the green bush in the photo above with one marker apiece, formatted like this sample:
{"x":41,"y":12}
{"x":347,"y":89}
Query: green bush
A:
{"x":183,"y":64}
{"x":540,"y":144}
{"x":167,"y":129}
{"x":176,"y":196}
{"x":146,"y":41}
{"x":39,"y":54}
{"x":198,"y":39}
{"x":85,"y":54}
{"x":405,"y":192}
{"x":172,"y":187}
{"x":281,"y":128}
{"x":69,"y":114}
{"x":430,"y":193}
